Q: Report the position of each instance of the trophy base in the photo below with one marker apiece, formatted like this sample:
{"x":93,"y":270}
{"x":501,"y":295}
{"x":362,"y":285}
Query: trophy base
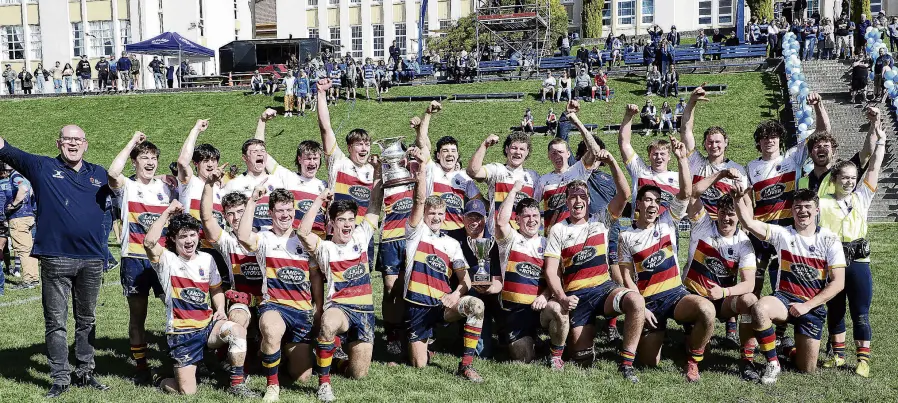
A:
{"x":481,"y":280}
{"x":398,"y":182}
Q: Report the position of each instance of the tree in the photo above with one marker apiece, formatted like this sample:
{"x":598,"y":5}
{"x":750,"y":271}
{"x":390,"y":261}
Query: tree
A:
{"x":761,"y":9}
{"x":592,"y":18}
{"x":859,"y":7}
{"x":557,"y":25}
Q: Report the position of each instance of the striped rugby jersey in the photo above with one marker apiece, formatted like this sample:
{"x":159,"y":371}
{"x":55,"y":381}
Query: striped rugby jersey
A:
{"x":187,"y":284}
{"x":397,"y":208}
{"x":653,"y":253}
{"x":701,"y":168}
{"x":191,"y":193}
{"x":805,"y":262}
{"x":141,"y":206}
{"x":347,"y":270}
{"x":455,"y":188}
{"x":350,"y":182}
{"x":500,"y":179}
{"x":642,"y":175}
{"x":245,"y":274}
{"x":774,"y":182}
{"x":582,"y":250}
{"x":245,"y":183}
{"x":521,"y":260}
{"x":286,"y":267}
{"x":550,"y":193}
{"x":431,"y":259}
{"x":715,"y":259}
{"x":305,"y":191}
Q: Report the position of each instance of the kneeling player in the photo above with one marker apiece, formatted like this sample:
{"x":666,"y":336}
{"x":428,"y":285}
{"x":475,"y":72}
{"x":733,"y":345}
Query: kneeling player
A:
{"x":648,"y":253}
{"x":430,"y":259}
{"x":349,"y":303}
{"x":292,"y":288}
{"x":577,"y":271}
{"x":811,"y":272}
{"x":719,"y":253}
{"x":191,"y":281}
{"x":524,"y":297}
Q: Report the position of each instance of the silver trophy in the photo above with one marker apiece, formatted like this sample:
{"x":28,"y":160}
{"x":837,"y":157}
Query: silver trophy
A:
{"x":481,"y":248}
{"x":391,"y":155}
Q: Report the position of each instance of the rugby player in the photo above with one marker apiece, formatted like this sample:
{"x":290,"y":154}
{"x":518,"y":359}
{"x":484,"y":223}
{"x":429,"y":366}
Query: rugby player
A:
{"x":648,"y":253}
{"x":811,"y":272}
{"x":142,"y":200}
{"x":292,"y":288}
{"x":822,"y":146}
{"x":500,"y":178}
{"x":191,"y":283}
{"x":659,"y":155}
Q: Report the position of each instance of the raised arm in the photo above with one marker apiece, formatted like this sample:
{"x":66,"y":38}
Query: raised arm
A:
{"x":687,"y":136}
{"x":422,"y":127}
{"x":475,"y":169}
{"x":746,"y":213}
{"x":261,"y":125}
{"x":376,"y":201}
{"x":682,"y":154}
{"x":503,"y":220}
{"x":589,"y":159}
{"x":309,"y":239}
{"x":151,"y":240}
{"x":211,"y":229}
{"x":185,"y":171}
{"x":872,"y":176}
{"x":116,"y":179}
{"x":822,"y":118}
{"x":245,"y":235}
{"x":417,"y":213}
{"x":328,"y":138}
{"x":619,"y":201}
{"x":626,"y":133}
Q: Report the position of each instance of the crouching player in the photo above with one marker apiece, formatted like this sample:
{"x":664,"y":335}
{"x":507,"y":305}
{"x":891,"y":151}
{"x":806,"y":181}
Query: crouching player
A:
{"x":719,"y":254}
{"x":191,"y":281}
{"x":292,"y":289}
{"x":525,"y":300}
{"x":431,"y":258}
{"x":577,"y":271}
{"x":811,"y":272}
{"x":648,"y":253}
{"x":349,"y":301}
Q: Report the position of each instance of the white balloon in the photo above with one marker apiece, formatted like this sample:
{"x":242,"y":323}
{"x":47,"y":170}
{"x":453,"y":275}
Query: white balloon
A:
{"x":802,"y":127}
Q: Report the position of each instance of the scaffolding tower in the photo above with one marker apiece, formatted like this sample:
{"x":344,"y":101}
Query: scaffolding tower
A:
{"x":522,"y":27}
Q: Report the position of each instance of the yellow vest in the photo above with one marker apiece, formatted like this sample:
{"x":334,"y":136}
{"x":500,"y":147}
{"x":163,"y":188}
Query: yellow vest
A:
{"x":848,"y":227}
{"x":826,"y":186}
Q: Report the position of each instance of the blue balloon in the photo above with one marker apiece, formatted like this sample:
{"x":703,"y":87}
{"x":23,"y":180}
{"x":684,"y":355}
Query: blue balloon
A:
{"x":870,"y":76}
{"x":889,"y":84}
{"x":802,"y":127}
{"x":889,"y":75}
{"x":893,"y":92}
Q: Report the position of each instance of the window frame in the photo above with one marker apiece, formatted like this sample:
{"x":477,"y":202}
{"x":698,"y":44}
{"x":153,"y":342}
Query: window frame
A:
{"x":706,"y":19}
{"x":10,"y":52}
{"x":36,"y":47}
{"x":631,"y":17}
{"x":102,"y":42}
{"x":725,"y":18}
{"x":650,"y":14}
{"x":381,"y":51}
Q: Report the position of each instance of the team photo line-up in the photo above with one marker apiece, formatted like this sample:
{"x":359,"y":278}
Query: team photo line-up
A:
{"x":539,"y":255}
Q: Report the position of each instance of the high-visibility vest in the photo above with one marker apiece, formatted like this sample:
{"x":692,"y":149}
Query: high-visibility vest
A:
{"x":848,"y":227}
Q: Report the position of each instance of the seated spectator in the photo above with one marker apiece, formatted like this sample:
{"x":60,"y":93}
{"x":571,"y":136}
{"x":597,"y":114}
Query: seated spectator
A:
{"x":718,"y":37}
{"x":583,"y":84}
{"x":413,"y":65}
{"x":564,"y":87}
{"x":601,"y":86}
{"x":732,"y":40}
{"x":257,"y":83}
{"x":649,"y":116}
{"x":679,"y":110}
{"x":652,"y":81}
{"x":617,"y":47}
{"x":595,"y":57}
{"x":701,"y":42}
{"x":673,"y":36}
{"x":583,"y":55}
{"x":548,"y":87}
{"x":472,"y":67}
{"x":667,"y":117}
{"x":527,"y":122}
{"x":670,"y":82}
{"x":552,"y":122}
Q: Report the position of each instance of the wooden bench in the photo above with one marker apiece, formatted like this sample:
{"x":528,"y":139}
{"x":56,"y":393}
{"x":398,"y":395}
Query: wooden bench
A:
{"x":204,"y":81}
{"x":556,"y":63}
{"x":495,"y":66}
{"x":710,"y":88}
{"x":490,"y":96}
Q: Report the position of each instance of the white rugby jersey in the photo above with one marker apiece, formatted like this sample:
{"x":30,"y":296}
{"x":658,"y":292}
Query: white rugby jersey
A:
{"x":455,"y":188}
{"x":774,"y":182}
{"x":550,"y":193}
{"x":286,"y":267}
{"x":188,"y":301}
{"x":245,"y":183}
{"x":643,"y":175}
{"x":652,"y":252}
{"x":141,"y":205}
{"x":521,"y":261}
{"x":500,"y":179}
{"x":715,"y":259}
{"x":190,"y":195}
{"x":701,"y":168}
{"x":805,"y":262}
{"x":244,"y":273}
{"x":347,"y":270}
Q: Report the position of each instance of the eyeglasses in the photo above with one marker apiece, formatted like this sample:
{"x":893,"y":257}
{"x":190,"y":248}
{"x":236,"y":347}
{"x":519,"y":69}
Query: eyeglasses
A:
{"x":74,"y":140}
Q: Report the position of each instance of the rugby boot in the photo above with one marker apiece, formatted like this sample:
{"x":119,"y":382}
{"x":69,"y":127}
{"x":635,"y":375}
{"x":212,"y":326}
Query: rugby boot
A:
{"x":628,"y":373}
{"x":834,"y":361}
{"x":863,"y":369}
{"x":749,"y":373}
{"x":326,"y":393}
{"x":242,"y":391}
{"x":771,"y":371}
{"x":692,"y":374}
{"x":272,"y":393}
{"x":468,"y":372}
{"x":556,"y":363}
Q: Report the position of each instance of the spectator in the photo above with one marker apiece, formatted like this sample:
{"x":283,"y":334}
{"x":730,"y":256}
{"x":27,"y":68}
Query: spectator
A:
{"x":860,"y":72}
{"x":67,"y":73}
{"x":671,"y":82}
{"x":594,"y":57}
{"x":754,"y":31}
{"x":170,"y":76}
{"x":27,"y":81}
{"x":648,"y":55}
{"x":564,"y":43}
{"x":583,"y":55}
{"x":135,"y":72}
{"x":842,"y":32}
{"x":667,"y":117}
{"x":472,"y":66}
{"x":601,"y":86}
{"x":383,"y":78}
{"x":701,"y":42}
{"x":653,"y":81}
{"x":564,"y":86}
{"x":810,"y":32}
{"x":881,"y":23}
{"x":679,"y":110}
{"x":102,"y":67}
{"x":271,"y":85}
{"x":257,"y":82}
{"x":609,"y":40}
{"x":718,"y":37}
{"x":369,"y":78}
{"x":893,"y":34}
{"x":9,"y":77}
{"x":83,"y":71}
{"x":302,"y":91}
{"x":772,"y":39}
{"x":673,"y":36}
{"x":527,"y":122}
{"x":548,"y":87}
{"x":551,"y":122}
{"x":394,"y":53}
{"x":862,"y":29}
{"x":41,"y":75}
{"x":617,"y":46}
{"x":655,"y":33}
{"x":71,"y":248}
{"x":666,"y":55}
{"x":113,"y":74}
{"x":884,"y":60}
{"x":123,"y":65}
{"x":289,"y":94}
{"x":583,"y":84}
{"x":649,"y":116}
{"x":20,"y":216}
{"x":56,"y":72}
{"x":731,"y":40}
{"x":157,"y":67}
{"x":799,"y":7}
{"x":827,"y":35}
{"x":184,"y":71}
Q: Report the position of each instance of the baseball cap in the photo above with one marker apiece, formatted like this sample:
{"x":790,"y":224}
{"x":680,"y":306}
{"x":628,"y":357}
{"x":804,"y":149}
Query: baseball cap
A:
{"x":475,"y":206}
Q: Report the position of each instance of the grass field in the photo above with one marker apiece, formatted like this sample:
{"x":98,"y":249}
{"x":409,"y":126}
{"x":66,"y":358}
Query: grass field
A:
{"x":166,"y":119}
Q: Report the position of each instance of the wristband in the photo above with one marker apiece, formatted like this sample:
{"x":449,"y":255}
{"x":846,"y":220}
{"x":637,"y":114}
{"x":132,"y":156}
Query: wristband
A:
{"x":881,"y":143}
{"x":725,"y":292}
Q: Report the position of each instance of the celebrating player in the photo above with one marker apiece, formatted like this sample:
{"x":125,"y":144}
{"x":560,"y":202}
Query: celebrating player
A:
{"x":191,"y":282}
{"x":659,"y":155}
{"x":500,"y":178}
{"x":648,"y":253}
{"x":255,"y":156}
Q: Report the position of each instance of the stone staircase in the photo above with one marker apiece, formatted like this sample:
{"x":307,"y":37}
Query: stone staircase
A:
{"x":830,"y":78}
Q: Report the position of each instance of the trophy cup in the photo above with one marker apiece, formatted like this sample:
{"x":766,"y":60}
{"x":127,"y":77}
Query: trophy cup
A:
{"x":392,"y":154}
{"x":481,"y":248}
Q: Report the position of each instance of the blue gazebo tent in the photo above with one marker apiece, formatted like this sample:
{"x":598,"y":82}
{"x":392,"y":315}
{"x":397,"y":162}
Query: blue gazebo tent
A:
{"x":170,"y":44}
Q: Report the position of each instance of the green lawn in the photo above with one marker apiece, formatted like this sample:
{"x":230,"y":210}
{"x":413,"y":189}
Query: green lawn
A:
{"x":166,"y":119}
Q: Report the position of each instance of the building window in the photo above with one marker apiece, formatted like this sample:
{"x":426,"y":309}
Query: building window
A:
{"x":378,"y":40}
{"x":335,"y":39}
{"x":875,"y":6}
{"x":626,"y":12}
{"x":313,"y":32}
{"x":648,"y":11}
{"x":10,"y":1}
{"x":36,"y":49}
{"x":355,"y":1}
{"x":313,"y":3}
{"x":125,"y":31}
{"x":445,"y":26}
{"x":704,"y":12}
{"x":334,"y":2}
{"x":606,"y":13}
{"x":725,"y":12}
{"x":813,"y":6}
{"x":569,"y":8}
{"x":356,"y":41}
{"x":78,"y":35}
{"x":101,"y":43}
{"x":13,"y":42}
{"x":400,"y":37}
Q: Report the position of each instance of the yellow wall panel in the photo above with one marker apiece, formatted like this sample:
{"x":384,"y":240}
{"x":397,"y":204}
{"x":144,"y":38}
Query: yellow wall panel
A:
{"x":398,"y":12}
{"x":11,"y":15}
{"x":377,"y":14}
{"x":312,"y":18}
{"x":123,"y":9}
{"x":99,"y":10}
{"x":443,"y":10}
{"x":355,"y":16}
{"x":465,"y":8}
{"x":75,"y":12}
{"x":333,"y":17}
{"x":33,"y":15}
